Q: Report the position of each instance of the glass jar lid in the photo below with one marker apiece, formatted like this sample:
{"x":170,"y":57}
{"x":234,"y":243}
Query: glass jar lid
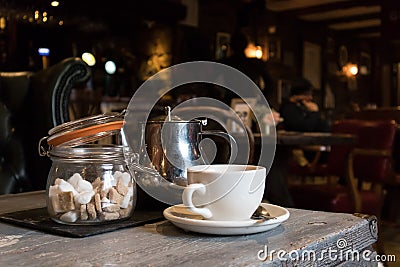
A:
{"x":92,"y":153}
{"x":86,"y":130}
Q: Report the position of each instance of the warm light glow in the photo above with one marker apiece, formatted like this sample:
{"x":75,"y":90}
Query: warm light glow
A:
{"x":61,"y":22}
{"x":350,"y":69}
{"x":353,"y":70}
{"x":44,"y":19}
{"x":252,"y":51}
{"x":2,"y":23}
{"x":44,"y":14}
{"x":363,"y":70}
{"x":36,"y":15}
{"x":110,"y":67}
{"x":259,"y":52}
{"x":272,"y":29}
{"x":55,"y":3}
{"x":89,"y":58}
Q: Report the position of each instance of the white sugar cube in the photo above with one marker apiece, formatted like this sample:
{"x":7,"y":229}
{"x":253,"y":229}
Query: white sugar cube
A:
{"x":126,"y":201}
{"x":84,"y":197}
{"x":130,"y":191}
{"x":84,"y":185}
{"x":126,"y":178}
{"x":74,"y":179}
{"x":105,"y":200}
{"x":117,"y":175}
{"x":108,"y":181}
{"x":64,"y":186}
{"x":127,"y":198}
{"x":70,"y":216}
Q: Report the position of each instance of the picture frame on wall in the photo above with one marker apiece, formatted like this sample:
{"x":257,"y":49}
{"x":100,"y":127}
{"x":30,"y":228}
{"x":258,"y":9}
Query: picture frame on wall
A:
{"x":243,"y":110}
{"x":222,"y":42}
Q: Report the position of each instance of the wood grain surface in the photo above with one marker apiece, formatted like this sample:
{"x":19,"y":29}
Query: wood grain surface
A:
{"x":163,"y":244}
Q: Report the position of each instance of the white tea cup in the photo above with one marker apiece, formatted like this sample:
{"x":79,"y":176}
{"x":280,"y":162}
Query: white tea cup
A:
{"x":224,"y":192}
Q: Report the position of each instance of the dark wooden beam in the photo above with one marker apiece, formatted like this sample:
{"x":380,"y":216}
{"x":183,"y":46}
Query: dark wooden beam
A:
{"x":351,"y":18}
{"x":331,"y":7}
{"x":358,"y":31}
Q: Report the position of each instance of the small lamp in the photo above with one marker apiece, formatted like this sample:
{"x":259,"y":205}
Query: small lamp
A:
{"x":350,"y":69}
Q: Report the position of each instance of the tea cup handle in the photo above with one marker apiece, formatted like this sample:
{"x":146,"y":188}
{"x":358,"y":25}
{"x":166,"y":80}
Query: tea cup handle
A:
{"x":187,"y":199}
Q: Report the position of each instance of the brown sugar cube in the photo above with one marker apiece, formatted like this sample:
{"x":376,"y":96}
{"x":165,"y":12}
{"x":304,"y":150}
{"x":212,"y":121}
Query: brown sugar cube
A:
{"x":91,"y":210}
{"x":107,"y":216}
{"x":125,"y":212}
{"x":97,"y":185}
{"x":97,"y":202}
{"x":96,"y":190}
{"x":121,"y":188}
{"x":111,"y":207}
{"x":114,"y":196}
{"x":64,"y":202}
{"x":84,"y":214}
{"x":54,"y":204}
{"x":104,"y":192}
{"x":97,"y":182}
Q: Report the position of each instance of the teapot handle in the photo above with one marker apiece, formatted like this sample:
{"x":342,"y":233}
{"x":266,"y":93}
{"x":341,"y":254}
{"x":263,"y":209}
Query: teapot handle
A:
{"x":210,"y":112}
{"x":233,"y":143}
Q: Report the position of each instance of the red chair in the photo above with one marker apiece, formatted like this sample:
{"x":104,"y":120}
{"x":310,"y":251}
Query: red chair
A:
{"x":335,"y":163}
{"x":366,"y":162}
{"x":363,"y":167}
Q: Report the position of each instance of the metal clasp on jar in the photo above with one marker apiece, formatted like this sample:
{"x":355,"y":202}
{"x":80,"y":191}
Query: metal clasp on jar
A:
{"x":44,"y":149}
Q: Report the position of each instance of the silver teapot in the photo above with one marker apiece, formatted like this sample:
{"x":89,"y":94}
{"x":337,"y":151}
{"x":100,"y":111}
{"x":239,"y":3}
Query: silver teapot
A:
{"x":168,"y":146}
{"x":171,"y":145}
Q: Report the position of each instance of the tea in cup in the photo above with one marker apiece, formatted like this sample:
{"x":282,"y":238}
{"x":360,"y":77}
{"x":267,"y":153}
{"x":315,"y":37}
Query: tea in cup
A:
{"x":224,"y":192}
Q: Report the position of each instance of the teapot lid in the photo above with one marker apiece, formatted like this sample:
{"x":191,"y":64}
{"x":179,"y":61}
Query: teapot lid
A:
{"x":168,"y":117}
{"x":86,"y":130}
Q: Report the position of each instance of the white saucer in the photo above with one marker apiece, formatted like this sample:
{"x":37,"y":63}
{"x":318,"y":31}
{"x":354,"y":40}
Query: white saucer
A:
{"x":185,"y":219}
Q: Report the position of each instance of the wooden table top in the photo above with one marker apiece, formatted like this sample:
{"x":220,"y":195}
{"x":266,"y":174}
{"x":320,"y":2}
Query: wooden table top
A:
{"x":163,"y":244}
{"x":308,"y":138}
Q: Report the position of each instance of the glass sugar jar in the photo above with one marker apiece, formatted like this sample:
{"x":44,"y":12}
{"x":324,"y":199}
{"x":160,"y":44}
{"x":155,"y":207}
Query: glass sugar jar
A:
{"x":88,"y":182}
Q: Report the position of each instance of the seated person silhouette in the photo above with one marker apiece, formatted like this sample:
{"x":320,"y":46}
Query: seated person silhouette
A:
{"x":300,"y":113}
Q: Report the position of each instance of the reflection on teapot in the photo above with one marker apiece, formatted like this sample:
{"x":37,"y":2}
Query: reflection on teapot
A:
{"x":171,"y":147}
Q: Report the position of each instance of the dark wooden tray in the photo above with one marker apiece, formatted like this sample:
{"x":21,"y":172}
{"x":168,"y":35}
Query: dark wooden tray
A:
{"x":38,"y":219}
